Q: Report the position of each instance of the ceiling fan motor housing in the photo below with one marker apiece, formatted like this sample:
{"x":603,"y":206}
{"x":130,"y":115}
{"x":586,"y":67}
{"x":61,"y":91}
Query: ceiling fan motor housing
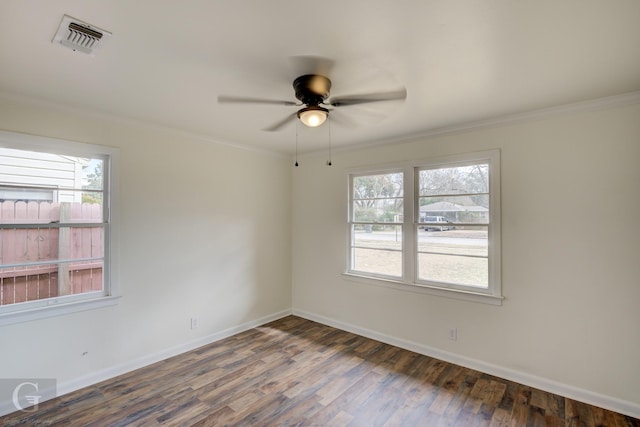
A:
{"x":312,"y":89}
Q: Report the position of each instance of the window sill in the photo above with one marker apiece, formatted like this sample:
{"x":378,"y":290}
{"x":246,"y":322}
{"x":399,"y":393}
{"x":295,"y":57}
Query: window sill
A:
{"x":426,"y":289}
{"x":60,"y":309}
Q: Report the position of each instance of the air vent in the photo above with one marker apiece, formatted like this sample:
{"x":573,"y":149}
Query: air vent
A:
{"x":79,"y":36}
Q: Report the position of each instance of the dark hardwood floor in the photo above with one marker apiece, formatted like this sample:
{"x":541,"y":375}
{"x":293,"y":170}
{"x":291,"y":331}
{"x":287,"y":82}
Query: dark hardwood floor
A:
{"x":294,"y":372}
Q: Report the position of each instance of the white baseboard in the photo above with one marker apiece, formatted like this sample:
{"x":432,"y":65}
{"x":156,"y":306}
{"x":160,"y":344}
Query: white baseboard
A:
{"x":607,"y":402}
{"x":618,"y":405}
{"x":7,"y":407}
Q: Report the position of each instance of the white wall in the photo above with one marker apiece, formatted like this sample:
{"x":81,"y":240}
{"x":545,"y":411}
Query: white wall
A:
{"x":570,"y":256}
{"x":204,"y":232}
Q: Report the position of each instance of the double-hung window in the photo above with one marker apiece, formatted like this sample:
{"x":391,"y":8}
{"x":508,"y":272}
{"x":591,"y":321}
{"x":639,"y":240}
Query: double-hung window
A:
{"x":55,"y":226}
{"x":433,"y":225}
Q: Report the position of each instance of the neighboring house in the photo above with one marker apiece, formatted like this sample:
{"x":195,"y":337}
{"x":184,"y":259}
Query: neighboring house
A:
{"x":41,"y":170}
{"x":454,"y":212}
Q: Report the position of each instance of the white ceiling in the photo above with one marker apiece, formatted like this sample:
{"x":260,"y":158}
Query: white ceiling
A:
{"x":460,"y":61}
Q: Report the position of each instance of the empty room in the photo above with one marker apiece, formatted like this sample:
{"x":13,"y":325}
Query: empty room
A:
{"x":346,"y":213}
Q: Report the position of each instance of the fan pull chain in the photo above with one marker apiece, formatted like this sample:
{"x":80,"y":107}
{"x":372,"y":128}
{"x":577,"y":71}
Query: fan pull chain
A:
{"x":329,"y":124}
{"x":296,"y":165}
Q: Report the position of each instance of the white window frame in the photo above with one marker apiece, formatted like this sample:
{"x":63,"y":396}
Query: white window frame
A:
{"x":409,"y":281}
{"x":38,"y":309}
{"x":391,"y":170}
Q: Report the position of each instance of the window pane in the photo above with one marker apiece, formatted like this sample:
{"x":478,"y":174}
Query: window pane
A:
{"x":376,"y":261}
{"x":377,"y":236}
{"x":378,"y":186}
{"x":457,"y":209}
{"x":29,"y":245}
{"x":380,"y":210}
{"x":455,"y":180}
{"x":22,"y":284}
{"x":460,"y":270}
{"x":92,"y":174}
{"x":472,"y":241}
{"x":457,"y":256}
{"x":377,"y":248}
{"x":32,"y":168}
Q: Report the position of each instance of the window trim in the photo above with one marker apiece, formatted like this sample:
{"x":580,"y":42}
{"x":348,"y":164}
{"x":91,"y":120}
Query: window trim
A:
{"x":39,"y":309}
{"x":409,"y":281}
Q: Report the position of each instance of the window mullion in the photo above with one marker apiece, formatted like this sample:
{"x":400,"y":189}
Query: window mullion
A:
{"x":494,"y":233}
{"x":409,"y":227}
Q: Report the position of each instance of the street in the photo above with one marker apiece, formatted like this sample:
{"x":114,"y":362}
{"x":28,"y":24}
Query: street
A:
{"x":451,"y":237}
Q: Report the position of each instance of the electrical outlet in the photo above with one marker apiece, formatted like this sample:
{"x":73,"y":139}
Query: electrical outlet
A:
{"x":453,"y":334}
{"x":194,"y":323}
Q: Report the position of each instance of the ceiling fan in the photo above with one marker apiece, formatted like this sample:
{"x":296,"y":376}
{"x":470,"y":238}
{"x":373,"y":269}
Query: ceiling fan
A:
{"x":312,"y":92}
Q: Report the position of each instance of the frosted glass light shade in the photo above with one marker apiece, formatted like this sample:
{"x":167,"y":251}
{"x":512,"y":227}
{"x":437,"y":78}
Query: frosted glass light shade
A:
{"x":313,"y":116}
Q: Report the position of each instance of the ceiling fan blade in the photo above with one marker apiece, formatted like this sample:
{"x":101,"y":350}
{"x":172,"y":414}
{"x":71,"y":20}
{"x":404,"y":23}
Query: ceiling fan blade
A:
{"x":224,"y":99}
{"x":369,"y":97}
{"x":340,"y":118}
{"x":279,"y":125}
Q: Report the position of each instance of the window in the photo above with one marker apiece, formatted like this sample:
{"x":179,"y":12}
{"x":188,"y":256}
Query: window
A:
{"x":55,"y":226}
{"x":434,"y":225}
{"x":377,"y":211}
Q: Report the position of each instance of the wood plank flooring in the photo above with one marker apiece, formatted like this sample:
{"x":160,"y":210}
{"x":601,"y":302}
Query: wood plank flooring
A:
{"x":294,"y":372}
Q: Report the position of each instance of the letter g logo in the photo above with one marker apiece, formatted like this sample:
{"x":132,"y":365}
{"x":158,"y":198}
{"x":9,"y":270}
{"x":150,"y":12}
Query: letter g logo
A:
{"x":33,"y":399}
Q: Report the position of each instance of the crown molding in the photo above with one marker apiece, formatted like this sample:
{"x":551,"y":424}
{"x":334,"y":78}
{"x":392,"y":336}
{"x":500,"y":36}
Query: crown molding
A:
{"x":114,"y":118}
{"x":597,"y":104}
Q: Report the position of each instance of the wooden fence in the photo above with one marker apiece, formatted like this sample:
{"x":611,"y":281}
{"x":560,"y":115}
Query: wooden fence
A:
{"x":49,"y":243}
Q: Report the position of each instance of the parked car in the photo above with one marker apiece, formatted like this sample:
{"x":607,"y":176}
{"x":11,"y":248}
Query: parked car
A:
{"x":446,"y":225}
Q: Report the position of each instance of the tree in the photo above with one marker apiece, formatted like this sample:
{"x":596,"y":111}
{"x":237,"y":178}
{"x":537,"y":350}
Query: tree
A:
{"x":462,"y":182}
{"x":377,"y":198}
{"x":94,"y":182}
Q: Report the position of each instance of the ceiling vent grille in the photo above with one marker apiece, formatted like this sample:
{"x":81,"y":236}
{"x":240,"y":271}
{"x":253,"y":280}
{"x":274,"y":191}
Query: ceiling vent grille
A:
{"x":79,"y":36}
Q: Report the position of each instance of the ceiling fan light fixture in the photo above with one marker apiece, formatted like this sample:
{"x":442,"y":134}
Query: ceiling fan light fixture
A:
{"x":313,"y":116}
